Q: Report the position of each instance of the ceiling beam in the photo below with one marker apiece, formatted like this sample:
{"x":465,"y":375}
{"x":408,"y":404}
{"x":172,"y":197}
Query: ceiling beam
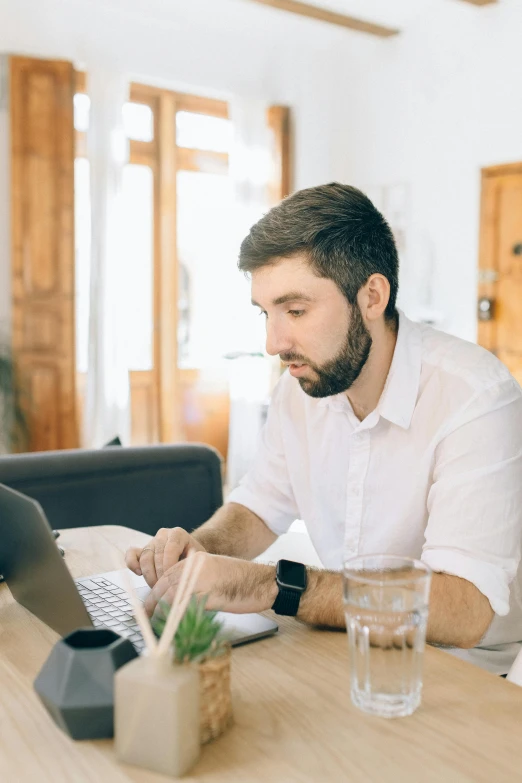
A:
{"x":324,"y":15}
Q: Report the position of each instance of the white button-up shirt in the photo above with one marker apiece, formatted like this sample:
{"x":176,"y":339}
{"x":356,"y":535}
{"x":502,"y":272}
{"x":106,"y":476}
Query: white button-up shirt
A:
{"x":434,"y":472}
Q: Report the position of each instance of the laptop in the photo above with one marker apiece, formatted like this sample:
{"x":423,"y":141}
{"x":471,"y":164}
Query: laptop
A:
{"x":39,"y":579}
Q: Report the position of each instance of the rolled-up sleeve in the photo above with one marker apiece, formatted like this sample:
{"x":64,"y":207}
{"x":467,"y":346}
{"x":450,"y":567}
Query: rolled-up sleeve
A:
{"x":474,"y":527}
{"x":266,"y":489}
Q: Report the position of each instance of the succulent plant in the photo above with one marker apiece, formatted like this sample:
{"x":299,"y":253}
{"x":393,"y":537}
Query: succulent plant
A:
{"x":199,"y":635}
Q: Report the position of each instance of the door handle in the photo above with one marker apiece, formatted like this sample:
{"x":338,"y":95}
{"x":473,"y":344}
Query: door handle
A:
{"x":486,"y":308}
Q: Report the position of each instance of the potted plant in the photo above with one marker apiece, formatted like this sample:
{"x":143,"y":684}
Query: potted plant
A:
{"x":183,"y":680}
{"x":14,"y":433}
{"x":199,"y":639}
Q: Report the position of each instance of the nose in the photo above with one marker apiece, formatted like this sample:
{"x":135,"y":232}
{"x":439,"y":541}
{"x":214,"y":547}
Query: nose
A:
{"x":277,"y":338}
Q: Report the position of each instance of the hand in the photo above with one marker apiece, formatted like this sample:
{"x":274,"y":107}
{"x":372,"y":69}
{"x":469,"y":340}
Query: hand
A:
{"x":230,"y":584}
{"x":167,"y":548}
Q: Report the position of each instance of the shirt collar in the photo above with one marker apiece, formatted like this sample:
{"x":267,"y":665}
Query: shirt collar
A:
{"x":401,"y":389}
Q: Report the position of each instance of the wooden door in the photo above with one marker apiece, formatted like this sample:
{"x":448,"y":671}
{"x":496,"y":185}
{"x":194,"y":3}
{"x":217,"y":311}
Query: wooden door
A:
{"x":500,"y":265}
{"x":42,"y":241}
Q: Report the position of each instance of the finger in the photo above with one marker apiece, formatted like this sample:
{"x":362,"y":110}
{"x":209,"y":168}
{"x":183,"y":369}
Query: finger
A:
{"x":176,"y":547}
{"x":160,"y":540}
{"x":151,"y":558}
{"x":164,"y":605}
{"x":147,"y":566}
{"x":156,"y":595}
{"x":167,"y":584}
{"x":132,"y":559}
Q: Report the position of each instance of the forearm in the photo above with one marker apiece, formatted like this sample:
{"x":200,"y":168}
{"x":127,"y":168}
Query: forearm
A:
{"x":459,"y":613}
{"x":322,"y":602}
{"x":235,"y":531}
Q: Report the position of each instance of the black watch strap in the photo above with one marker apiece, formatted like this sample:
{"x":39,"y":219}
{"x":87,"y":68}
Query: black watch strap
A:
{"x":291,"y":580}
{"x":287,"y":602}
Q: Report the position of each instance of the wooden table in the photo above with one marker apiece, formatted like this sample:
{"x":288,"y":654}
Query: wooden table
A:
{"x":293,"y":717}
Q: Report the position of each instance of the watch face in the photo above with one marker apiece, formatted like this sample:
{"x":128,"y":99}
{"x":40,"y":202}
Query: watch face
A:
{"x":291,"y":574}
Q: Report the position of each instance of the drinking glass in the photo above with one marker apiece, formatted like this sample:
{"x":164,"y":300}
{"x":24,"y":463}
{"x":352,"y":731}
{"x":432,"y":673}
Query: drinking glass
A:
{"x":386,"y":607}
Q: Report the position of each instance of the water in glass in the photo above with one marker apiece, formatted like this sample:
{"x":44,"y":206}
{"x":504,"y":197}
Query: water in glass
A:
{"x":386,"y":607}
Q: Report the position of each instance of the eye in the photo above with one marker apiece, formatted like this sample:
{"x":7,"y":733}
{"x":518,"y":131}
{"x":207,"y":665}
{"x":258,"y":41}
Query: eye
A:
{"x":296,"y":313}
{"x":263,"y":312}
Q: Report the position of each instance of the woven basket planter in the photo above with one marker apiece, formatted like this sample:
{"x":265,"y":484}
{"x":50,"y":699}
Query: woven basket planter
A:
{"x":215,"y":696}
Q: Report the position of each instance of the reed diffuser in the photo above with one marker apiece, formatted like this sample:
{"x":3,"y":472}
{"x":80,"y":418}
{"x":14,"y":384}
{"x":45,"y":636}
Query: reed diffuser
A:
{"x":157,"y":702}
{"x":200,"y":640}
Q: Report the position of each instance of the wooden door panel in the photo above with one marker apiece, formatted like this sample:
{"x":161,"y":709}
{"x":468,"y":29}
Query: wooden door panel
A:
{"x":205,"y":410}
{"x":42,"y":155}
{"x":509,"y":287}
{"x":280,"y":184}
{"x":41,"y":83}
{"x":144,"y":419}
{"x":500,"y":267}
{"x":40,"y":241}
{"x":42,"y":388}
{"x":40,"y":329}
{"x":488,"y":260}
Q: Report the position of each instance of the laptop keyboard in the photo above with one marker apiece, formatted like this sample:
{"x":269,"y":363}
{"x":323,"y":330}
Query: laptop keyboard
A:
{"x":108,"y":606}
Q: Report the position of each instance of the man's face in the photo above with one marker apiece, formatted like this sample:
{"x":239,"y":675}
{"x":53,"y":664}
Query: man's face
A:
{"x":311,"y":326}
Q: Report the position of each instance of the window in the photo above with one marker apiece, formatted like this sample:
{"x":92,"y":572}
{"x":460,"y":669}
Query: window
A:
{"x":203,"y":132}
{"x":137,"y":288}
{"x":185,"y":298}
{"x":138,"y":119}
{"x":138,"y":240}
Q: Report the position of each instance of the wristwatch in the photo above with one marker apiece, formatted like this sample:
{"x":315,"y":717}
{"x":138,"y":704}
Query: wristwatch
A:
{"x":291,"y":580}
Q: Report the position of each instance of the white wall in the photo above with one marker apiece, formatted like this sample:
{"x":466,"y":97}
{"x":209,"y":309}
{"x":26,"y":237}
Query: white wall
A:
{"x":431,"y":108}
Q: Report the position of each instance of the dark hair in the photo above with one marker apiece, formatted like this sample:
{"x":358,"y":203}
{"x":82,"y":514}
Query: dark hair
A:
{"x":344,"y":236}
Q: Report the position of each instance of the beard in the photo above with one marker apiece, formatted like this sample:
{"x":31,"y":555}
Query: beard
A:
{"x":339,"y":373}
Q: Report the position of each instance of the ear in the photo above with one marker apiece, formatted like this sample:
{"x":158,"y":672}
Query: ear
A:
{"x":374,"y":296}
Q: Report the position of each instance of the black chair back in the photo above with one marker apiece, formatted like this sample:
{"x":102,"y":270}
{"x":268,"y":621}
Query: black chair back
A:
{"x":143,"y":488}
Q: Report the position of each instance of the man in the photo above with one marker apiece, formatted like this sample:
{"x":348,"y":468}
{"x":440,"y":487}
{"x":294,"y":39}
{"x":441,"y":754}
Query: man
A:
{"x":383,"y":436}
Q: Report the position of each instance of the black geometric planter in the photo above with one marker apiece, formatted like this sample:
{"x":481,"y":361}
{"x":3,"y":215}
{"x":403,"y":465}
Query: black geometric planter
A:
{"x":76,"y":683}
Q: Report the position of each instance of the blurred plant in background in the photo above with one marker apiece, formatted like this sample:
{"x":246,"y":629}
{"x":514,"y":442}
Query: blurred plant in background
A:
{"x":14,"y":430}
